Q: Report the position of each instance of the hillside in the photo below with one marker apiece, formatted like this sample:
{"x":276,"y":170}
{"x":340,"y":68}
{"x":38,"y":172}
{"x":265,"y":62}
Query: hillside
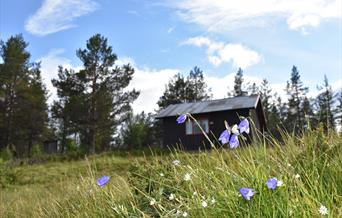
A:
{"x":203,"y":184}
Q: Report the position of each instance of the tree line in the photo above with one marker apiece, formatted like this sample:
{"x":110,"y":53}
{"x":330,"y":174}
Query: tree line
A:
{"x":93,"y":111}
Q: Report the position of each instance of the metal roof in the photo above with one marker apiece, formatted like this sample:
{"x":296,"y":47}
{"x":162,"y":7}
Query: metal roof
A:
{"x":234,"y":103}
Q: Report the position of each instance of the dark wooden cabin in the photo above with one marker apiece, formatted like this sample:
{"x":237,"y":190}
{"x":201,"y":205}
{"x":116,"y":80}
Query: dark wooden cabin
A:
{"x":211,"y":115}
{"x":50,"y":146}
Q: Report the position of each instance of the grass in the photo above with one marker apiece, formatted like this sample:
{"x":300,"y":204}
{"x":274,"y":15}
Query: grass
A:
{"x":69,"y":189}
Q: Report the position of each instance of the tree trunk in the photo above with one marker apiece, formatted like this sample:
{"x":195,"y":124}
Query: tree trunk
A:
{"x":29,"y":151}
{"x":93,"y":116}
{"x":9,"y":111}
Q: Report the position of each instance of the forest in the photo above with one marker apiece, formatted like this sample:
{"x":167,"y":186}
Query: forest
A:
{"x":93,"y":112}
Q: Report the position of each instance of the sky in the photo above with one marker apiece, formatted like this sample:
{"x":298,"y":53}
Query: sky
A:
{"x":163,"y":37}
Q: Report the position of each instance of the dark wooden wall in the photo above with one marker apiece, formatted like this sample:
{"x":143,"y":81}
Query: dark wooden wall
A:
{"x":175,"y":133}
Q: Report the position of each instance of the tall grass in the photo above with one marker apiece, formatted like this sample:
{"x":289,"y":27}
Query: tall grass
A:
{"x":309,"y":166}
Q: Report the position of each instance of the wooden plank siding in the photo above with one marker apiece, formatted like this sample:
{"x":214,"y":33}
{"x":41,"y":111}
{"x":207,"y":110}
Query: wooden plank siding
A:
{"x":175,"y":133}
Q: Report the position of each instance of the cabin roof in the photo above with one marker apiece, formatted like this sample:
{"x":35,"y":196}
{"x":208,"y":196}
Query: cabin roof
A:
{"x":235,"y":103}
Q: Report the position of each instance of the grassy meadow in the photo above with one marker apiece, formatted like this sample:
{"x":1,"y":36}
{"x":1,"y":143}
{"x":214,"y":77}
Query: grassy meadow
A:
{"x":199,"y":184}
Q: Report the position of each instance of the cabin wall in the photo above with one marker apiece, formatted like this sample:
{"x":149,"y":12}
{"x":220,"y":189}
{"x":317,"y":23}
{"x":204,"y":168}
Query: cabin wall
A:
{"x":175,"y":133}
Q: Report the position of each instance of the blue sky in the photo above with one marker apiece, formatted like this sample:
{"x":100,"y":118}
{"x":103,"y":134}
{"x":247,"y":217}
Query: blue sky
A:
{"x":163,"y":37}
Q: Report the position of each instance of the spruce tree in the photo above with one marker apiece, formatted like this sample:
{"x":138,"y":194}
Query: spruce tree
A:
{"x":296,"y":92}
{"x":338,"y":110}
{"x":274,"y":121}
{"x":325,"y":103}
{"x":196,"y":86}
{"x":310,"y":120}
{"x":265,"y":93}
{"x":238,"y":81}
{"x":253,"y":89}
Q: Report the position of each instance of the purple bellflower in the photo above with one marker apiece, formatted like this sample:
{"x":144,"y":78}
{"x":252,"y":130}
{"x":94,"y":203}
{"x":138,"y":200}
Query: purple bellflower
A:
{"x":244,"y":126}
{"x":102,"y":181}
{"x":234,"y":141}
{"x":247,"y":193}
{"x":272,"y":183}
{"x":181,"y":118}
{"x":224,"y":137}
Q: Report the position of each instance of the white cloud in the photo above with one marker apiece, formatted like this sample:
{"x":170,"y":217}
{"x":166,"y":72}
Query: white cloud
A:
{"x":219,"y":52}
{"x":49,"y":69}
{"x":220,"y":16}
{"x":57,"y":15}
{"x":220,"y":86}
{"x":171,"y":29}
{"x":151,"y":84}
{"x":337,"y":85}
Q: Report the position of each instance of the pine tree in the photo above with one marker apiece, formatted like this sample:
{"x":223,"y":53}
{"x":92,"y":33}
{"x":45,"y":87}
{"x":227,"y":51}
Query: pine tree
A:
{"x":175,"y":92}
{"x":296,"y":92}
{"x":137,"y":131}
{"x":181,"y":90}
{"x":31,"y":118}
{"x":238,"y":81}
{"x":23,"y":110}
{"x":13,"y":72}
{"x":325,"y":103}
{"x":66,"y":112}
{"x":99,"y":92}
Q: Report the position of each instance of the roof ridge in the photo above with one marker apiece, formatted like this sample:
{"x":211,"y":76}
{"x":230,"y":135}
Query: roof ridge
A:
{"x":207,"y":106}
{"x":211,"y":100}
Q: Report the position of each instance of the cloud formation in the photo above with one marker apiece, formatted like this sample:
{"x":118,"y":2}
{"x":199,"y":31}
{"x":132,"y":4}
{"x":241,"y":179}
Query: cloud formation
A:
{"x":220,"y":16}
{"x":57,"y":15}
{"x":49,"y":69}
{"x":219,"y":52}
{"x":151,"y":82}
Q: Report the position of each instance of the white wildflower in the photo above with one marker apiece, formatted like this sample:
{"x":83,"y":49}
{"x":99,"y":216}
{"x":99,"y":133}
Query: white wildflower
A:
{"x":161,"y":174}
{"x":172,"y":197}
{"x":280,"y":183}
{"x":176,"y":162}
{"x":297,"y":176}
{"x":153,"y":202}
{"x":185,"y":214}
{"x":187,"y":177}
{"x":204,"y":204}
{"x":290,"y":212}
{"x":323,"y":210}
{"x":194,"y":194}
{"x":213,"y":201}
{"x":235,"y":129}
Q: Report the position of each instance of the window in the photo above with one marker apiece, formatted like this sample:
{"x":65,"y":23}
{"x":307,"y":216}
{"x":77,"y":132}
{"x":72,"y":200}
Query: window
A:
{"x":191,"y":128}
